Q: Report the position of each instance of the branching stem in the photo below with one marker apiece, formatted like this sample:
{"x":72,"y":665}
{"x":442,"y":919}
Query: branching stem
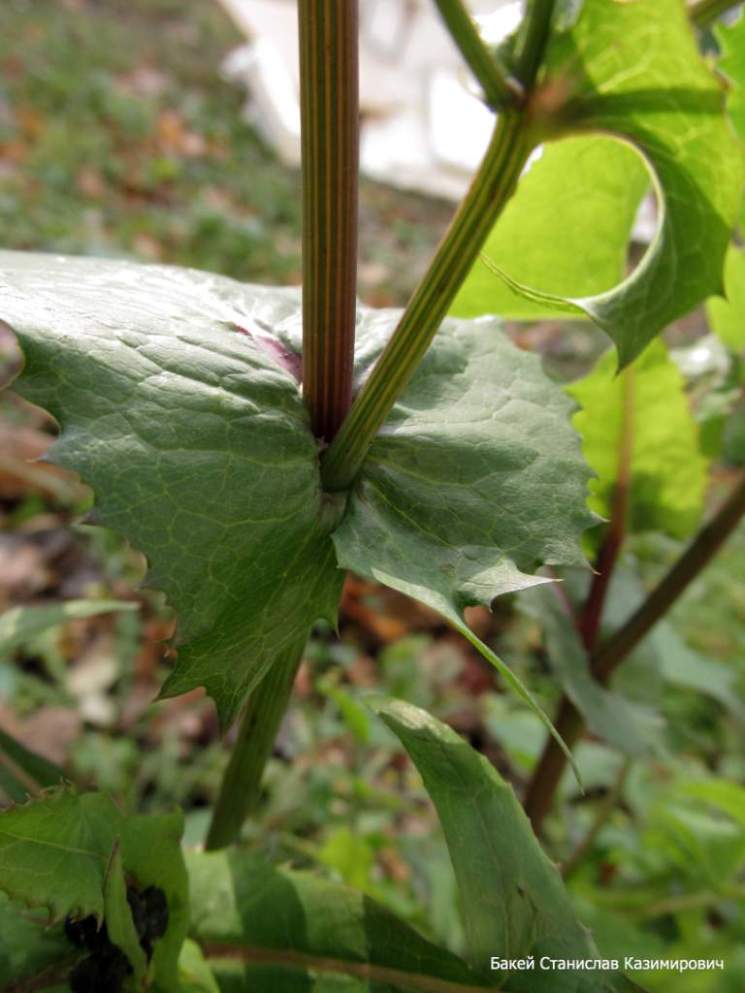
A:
{"x":500,"y":90}
{"x":612,"y":653}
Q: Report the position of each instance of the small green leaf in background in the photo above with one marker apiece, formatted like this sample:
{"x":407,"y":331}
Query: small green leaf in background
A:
{"x":20,"y":624}
{"x":195,"y":974}
{"x":727,"y":314}
{"x":633,"y":70}
{"x":668,"y":472}
{"x":633,"y":729}
{"x":475,"y":478}
{"x":261,"y":927}
{"x":23,"y":773}
{"x":513,"y":900}
{"x":181,"y":409}
{"x":566,"y":230}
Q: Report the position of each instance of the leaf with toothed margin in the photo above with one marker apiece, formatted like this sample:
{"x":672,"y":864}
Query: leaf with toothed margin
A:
{"x":513,"y":899}
{"x":75,"y":854}
{"x":632,"y":70}
{"x":54,"y":851}
{"x":183,"y":412}
{"x":475,"y":479}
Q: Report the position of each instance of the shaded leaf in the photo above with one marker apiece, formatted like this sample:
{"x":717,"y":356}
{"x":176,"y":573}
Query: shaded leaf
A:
{"x":566,"y":230}
{"x":633,"y":70}
{"x":631,"y":728}
{"x":183,"y":413}
{"x":514,"y":902}
{"x":295,"y":929}
{"x":668,"y":473}
{"x":28,"y":948}
{"x":119,"y":924}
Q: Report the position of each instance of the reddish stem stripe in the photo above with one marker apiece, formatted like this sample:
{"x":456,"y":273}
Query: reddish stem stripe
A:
{"x":330,"y":148}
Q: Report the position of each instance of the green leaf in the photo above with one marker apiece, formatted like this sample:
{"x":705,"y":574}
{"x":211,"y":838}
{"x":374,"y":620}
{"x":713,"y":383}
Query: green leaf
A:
{"x":727,"y":314}
{"x":71,"y":853}
{"x":119,"y":923}
{"x":182,"y":412}
{"x":566,"y":230}
{"x":195,"y":974}
{"x":273,"y":923}
{"x":514,"y":902}
{"x":54,"y":852}
{"x":28,"y":948}
{"x":23,"y":773}
{"x":633,"y":70}
{"x":631,"y":728}
{"x":151,"y":853}
{"x":731,"y":38}
{"x":648,"y":406}
{"x":19,"y":625}
{"x":475,"y":477}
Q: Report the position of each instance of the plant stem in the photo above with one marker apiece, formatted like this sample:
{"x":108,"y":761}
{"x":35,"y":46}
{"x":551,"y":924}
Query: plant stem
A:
{"x":602,"y":815}
{"x":500,"y":90}
{"x":490,"y":190}
{"x":330,"y":153}
{"x":241,"y":784}
{"x":532,"y":40}
{"x":569,"y":723}
{"x":703,"y":12}
{"x":592,"y":614}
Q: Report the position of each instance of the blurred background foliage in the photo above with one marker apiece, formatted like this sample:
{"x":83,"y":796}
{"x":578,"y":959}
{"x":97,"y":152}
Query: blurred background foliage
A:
{"x":119,"y":137}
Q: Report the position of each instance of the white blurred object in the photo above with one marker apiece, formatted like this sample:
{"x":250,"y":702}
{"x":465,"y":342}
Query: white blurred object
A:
{"x":424,"y":126}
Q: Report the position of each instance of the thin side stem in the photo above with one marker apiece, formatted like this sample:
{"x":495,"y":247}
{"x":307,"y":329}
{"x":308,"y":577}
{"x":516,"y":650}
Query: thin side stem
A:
{"x":490,"y":191}
{"x":592,"y":613}
{"x":610,"y":655}
{"x":532,"y":40}
{"x":329,"y":72}
{"x":241,"y":785}
{"x":703,"y":12}
{"x":500,"y":90}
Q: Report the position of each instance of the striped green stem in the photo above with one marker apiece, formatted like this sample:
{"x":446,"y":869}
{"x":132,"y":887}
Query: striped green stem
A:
{"x":490,"y":190}
{"x":330,"y":152}
{"x":241,"y":785}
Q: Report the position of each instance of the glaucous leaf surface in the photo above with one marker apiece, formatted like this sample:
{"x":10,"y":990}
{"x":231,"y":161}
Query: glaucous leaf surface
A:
{"x":475,"y":478}
{"x":633,"y":70}
{"x":70,"y":853}
{"x":566,"y":230}
{"x":183,"y":413}
{"x":514,"y":902}
{"x":300,"y":930}
{"x":727,"y":314}
{"x":647,"y":405}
